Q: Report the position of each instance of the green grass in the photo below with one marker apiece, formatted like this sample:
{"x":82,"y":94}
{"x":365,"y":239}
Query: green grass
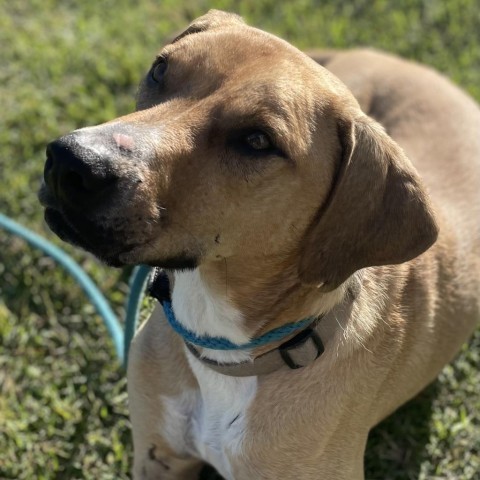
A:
{"x":63,"y":65}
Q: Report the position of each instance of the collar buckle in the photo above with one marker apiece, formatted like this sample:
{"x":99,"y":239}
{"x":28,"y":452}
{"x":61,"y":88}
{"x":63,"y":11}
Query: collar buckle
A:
{"x":296,"y":353}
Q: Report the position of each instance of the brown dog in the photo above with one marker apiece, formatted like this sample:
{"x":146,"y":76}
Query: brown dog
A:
{"x":257,"y":178}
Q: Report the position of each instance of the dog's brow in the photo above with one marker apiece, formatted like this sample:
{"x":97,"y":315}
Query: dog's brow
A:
{"x":166,"y":51}
{"x":189,"y":31}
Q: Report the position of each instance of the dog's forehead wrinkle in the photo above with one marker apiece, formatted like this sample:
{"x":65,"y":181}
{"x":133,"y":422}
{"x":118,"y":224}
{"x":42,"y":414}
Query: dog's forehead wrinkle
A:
{"x":214,"y":19}
{"x":234,"y":46}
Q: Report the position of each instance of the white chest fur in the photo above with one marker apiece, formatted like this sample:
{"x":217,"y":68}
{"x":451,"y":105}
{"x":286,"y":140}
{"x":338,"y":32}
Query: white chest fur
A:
{"x":220,"y":417}
{"x":218,"y":410}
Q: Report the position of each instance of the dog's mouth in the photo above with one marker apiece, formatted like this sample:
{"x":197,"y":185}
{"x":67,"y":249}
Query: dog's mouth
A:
{"x":105,"y":245}
{"x":115,"y":238}
{"x":88,"y":235}
{"x":76,"y":228}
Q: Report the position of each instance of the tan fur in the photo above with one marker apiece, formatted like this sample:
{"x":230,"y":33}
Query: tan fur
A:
{"x":280,"y":238}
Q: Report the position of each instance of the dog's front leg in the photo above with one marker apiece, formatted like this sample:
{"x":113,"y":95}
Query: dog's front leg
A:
{"x":161,"y":389}
{"x":156,"y":461}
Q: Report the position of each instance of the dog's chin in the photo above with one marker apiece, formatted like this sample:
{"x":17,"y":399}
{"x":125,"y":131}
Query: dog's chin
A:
{"x":59,"y":225}
{"x":180,"y":262}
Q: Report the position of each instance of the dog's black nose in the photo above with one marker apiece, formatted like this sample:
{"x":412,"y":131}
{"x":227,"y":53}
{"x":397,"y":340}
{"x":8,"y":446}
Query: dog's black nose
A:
{"x":76,"y":174}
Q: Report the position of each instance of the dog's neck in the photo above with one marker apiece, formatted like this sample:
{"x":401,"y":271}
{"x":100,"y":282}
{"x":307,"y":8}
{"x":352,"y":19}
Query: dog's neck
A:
{"x":240,"y":300}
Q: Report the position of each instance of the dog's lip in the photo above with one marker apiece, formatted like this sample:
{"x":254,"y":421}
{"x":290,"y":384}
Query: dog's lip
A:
{"x":59,"y":224}
{"x":46,"y":198}
{"x":61,"y":227}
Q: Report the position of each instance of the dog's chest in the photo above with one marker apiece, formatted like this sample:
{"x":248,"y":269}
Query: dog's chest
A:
{"x":219,"y":417}
{"x":210,"y":422}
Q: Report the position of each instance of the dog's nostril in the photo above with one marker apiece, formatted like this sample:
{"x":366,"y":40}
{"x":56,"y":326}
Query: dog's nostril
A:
{"x":86,"y":180}
{"x":48,"y":164}
{"x":75,"y":180}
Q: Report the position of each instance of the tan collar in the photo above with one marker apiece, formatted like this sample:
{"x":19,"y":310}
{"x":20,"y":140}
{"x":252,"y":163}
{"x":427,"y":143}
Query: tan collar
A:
{"x":300,"y":351}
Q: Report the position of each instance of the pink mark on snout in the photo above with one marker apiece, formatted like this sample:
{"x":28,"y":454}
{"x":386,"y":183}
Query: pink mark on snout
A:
{"x":125,"y":142}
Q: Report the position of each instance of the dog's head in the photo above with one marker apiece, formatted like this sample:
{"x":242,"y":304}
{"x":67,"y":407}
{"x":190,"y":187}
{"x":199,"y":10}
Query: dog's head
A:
{"x":240,"y":146}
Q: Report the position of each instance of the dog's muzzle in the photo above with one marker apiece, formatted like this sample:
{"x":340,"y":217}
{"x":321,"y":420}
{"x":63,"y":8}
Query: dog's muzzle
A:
{"x":89,"y":179}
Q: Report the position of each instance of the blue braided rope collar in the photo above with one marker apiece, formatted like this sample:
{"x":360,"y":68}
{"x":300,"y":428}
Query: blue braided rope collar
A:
{"x":221,"y":343}
{"x":160,"y":289}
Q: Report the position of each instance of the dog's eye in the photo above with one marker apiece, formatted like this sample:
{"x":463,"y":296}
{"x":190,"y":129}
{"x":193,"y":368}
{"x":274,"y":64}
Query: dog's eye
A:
{"x":158,"y":70}
{"x":258,"y":141}
{"x":254,"y":143}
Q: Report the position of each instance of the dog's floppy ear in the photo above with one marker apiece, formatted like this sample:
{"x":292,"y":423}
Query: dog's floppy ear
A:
{"x":212,"y":19}
{"x":377,"y":212}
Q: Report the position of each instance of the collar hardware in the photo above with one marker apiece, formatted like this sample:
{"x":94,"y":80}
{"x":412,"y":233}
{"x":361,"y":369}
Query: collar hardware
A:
{"x":290,"y":349}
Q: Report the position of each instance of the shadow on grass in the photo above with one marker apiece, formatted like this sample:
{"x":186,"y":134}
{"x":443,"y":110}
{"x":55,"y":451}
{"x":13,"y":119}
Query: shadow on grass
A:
{"x":396,"y":447}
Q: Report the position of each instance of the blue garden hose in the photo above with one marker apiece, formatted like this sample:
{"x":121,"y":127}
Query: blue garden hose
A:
{"x":137,"y":284}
